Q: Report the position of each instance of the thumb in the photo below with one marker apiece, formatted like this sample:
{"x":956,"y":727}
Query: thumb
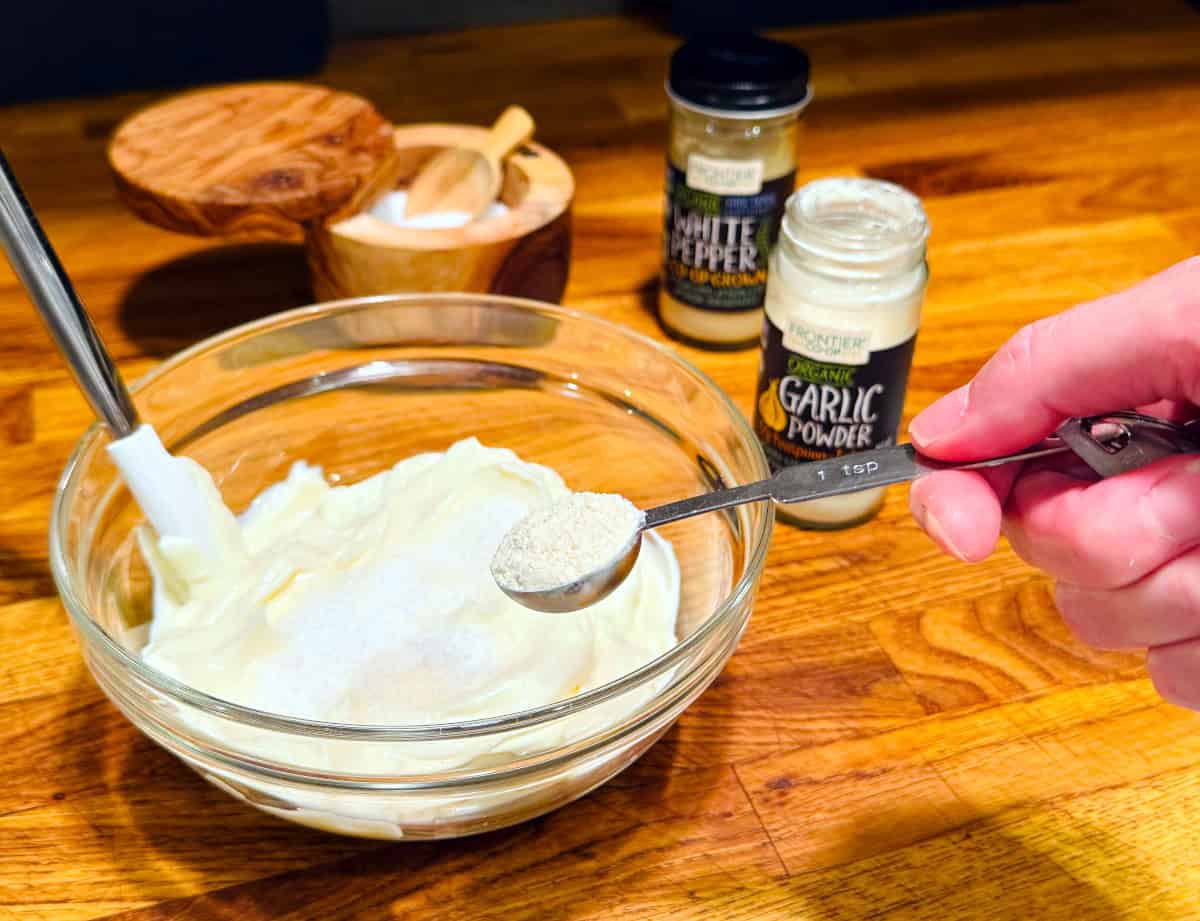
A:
{"x":1129,"y":349}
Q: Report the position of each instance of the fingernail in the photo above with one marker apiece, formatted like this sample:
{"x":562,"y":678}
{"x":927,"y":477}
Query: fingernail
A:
{"x":934,"y":529}
{"x":1169,"y":506}
{"x":940,"y":419}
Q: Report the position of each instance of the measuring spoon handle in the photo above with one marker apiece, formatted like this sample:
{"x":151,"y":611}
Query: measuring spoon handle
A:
{"x":1110,"y":444}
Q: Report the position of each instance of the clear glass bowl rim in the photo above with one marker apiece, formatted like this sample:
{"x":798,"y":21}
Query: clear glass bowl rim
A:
{"x":94,"y":633}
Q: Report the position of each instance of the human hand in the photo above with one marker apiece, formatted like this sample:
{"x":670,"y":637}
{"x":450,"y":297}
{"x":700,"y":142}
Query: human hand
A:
{"x":1124,"y":551}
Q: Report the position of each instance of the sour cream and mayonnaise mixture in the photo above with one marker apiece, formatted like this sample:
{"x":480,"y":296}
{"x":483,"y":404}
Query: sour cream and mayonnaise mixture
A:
{"x":373,"y":603}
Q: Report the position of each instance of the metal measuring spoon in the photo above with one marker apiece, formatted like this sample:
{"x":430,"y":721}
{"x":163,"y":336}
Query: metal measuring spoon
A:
{"x":1110,"y":444}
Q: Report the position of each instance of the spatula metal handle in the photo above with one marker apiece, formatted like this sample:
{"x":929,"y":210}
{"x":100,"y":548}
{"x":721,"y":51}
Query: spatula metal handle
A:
{"x":37,"y":266}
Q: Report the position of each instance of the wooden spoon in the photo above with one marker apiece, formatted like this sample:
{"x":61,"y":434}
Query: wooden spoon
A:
{"x":468,"y":179}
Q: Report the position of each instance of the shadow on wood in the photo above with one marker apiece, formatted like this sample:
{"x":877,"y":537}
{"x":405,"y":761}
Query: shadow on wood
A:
{"x":166,"y":834}
{"x":182,"y":301}
{"x":22,"y":577}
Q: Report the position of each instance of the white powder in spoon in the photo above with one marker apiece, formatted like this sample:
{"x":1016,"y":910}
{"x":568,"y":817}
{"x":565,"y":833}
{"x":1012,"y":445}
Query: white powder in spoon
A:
{"x":565,"y":540}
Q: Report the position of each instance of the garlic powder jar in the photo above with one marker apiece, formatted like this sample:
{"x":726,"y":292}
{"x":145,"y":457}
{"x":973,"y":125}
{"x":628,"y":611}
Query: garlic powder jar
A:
{"x":842,"y":308}
{"x":731,"y":164}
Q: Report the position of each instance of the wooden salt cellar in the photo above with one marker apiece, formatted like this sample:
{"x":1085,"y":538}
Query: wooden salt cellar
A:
{"x":287,"y":161}
{"x":523,"y":252}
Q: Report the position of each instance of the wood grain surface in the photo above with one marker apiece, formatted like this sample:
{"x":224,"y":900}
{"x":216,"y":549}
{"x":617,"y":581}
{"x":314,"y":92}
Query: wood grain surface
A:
{"x":253,"y":160}
{"x":899,"y":736}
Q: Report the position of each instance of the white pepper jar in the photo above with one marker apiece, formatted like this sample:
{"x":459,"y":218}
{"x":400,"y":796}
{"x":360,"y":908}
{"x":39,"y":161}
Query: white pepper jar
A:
{"x":842,"y":309}
{"x":731,"y":164}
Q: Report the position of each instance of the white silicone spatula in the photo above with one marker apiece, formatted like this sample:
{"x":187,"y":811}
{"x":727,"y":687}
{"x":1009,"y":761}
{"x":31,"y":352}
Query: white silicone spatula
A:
{"x":163,"y":486}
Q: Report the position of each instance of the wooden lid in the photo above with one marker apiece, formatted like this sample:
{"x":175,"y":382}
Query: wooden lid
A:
{"x":252,"y":161}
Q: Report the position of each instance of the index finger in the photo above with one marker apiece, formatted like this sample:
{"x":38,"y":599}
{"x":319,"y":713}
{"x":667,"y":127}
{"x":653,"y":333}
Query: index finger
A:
{"x":1136,"y":347}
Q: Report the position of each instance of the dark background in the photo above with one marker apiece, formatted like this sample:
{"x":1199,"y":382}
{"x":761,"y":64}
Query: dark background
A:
{"x":55,"y":48}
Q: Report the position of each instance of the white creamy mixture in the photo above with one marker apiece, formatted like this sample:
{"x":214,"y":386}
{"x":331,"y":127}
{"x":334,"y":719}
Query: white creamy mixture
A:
{"x":373,"y":603}
{"x":564,"y":541}
{"x":390,"y":208}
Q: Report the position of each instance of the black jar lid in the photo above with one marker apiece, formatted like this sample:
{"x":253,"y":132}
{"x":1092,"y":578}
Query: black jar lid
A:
{"x":739,"y":73}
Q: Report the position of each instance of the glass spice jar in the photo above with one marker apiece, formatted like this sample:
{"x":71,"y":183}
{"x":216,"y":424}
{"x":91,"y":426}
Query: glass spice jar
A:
{"x":842,"y":309}
{"x":735,"y":102}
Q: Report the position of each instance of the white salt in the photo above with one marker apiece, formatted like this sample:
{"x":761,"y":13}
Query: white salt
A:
{"x":565,"y":540}
{"x":391,"y":207}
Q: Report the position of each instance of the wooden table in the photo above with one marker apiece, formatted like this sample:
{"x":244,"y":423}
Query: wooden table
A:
{"x":898,"y":736}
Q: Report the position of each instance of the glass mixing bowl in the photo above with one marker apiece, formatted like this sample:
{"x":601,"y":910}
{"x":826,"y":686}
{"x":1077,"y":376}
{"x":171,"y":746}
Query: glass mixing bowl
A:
{"x":355,"y":386}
